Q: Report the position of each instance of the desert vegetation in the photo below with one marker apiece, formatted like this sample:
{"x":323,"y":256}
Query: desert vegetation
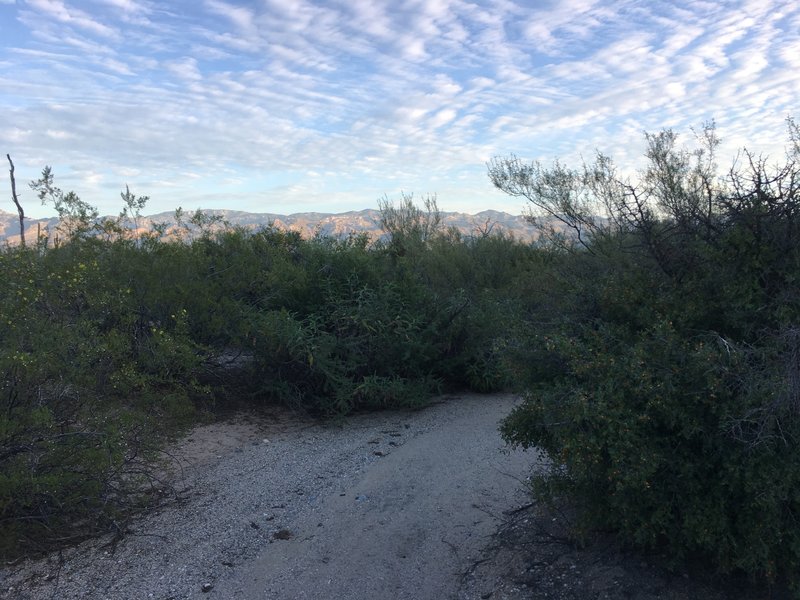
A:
{"x":661,"y":360}
{"x":112,"y":341}
{"x":654,"y":336}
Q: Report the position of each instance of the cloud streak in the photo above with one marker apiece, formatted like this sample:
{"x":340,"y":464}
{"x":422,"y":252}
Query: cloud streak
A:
{"x":329,"y":105}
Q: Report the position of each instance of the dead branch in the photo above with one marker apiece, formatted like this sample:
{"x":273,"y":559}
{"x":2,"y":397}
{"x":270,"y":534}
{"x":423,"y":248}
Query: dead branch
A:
{"x":16,"y":201}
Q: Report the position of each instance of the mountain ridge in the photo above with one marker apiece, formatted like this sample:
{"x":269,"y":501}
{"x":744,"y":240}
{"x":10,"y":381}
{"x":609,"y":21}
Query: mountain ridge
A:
{"x":366,"y":221}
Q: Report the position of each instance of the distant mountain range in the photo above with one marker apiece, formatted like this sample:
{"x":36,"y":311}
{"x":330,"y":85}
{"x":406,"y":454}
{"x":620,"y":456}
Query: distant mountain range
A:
{"x":307,"y":224}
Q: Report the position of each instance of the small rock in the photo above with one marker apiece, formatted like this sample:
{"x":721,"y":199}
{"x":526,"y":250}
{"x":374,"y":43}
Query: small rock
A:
{"x":255,"y":525}
{"x":282,"y":534}
{"x":206,"y":587}
{"x":378,"y":453}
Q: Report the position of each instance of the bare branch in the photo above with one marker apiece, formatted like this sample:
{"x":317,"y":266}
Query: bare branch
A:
{"x":557,"y":192}
{"x":16,"y":201}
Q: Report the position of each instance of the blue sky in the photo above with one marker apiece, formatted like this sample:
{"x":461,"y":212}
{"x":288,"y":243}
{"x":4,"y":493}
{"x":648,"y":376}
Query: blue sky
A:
{"x":309,"y":105}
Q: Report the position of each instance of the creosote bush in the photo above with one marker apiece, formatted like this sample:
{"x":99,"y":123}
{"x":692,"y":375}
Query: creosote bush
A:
{"x":661,"y":358}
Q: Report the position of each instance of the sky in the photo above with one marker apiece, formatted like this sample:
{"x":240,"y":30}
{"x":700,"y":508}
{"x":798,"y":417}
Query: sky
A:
{"x":288,"y":106}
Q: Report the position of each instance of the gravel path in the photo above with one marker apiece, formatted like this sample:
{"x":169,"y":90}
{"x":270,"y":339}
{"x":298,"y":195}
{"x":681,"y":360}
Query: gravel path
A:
{"x":391,"y":506}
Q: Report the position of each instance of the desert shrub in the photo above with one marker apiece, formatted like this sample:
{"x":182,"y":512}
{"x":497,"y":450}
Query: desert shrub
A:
{"x":326,"y":362}
{"x":295,"y":363}
{"x":82,"y":402}
{"x":379,"y":330}
{"x":666,"y":391}
{"x":645,"y":436}
{"x":471,"y":284}
{"x":378,"y":392}
{"x":70,"y":468}
{"x":417,"y":318}
{"x":111,"y":341}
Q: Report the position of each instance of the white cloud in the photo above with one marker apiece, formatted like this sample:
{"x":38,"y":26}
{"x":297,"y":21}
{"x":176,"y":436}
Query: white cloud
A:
{"x":184,"y":68}
{"x":15,"y":134}
{"x":414,"y":94}
{"x":58,"y":135}
{"x":242,"y":17}
{"x":443,"y":117}
{"x":72,"y":16}
{"x":129,"y":6}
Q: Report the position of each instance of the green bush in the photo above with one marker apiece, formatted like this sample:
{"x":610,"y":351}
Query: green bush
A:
{"x":81,"y":397}
{"x":666,"y":392}
{"x":646,"y":434}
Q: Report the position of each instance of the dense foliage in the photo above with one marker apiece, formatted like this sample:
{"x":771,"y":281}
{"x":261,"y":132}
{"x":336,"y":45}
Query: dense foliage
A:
{"x":663,"y":360}
{"x":112,"y":339}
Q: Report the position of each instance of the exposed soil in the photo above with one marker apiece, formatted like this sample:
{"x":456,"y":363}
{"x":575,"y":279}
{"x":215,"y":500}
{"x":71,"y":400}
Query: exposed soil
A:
{"x":399,"y":505}
{"x":534,"y":556}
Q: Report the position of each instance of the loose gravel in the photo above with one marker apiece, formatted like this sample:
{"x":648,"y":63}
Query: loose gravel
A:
{"x":389,"y":505}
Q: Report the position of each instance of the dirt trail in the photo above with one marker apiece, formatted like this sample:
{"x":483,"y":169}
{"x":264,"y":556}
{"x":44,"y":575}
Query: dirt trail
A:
{"x":408,"y":527}
{"x":389,"y":506}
